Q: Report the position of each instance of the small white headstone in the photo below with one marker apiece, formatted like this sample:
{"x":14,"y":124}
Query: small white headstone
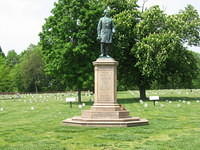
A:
{"x":162,"y":105}
{"x":188,"y":103}
{"x":141,"y":102}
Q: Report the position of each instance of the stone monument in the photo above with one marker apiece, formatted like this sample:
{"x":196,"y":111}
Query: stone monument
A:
{"x":105,"y":112}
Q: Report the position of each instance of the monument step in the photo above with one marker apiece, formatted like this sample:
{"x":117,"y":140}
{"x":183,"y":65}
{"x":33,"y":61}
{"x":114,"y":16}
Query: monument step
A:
{"x":108,"y":108}
{"x":105,"y":114}
{"x":105,"y":123}
{"x":103,"y":120}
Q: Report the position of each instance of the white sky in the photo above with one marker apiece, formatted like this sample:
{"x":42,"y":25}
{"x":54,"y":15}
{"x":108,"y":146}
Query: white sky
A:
{"x":22,"y":20}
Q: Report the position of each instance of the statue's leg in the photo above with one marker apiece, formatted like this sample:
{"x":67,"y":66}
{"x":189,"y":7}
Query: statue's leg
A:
{"x":107,"y":48}
{"x":110,"y":47}
{"x":102,"y":49}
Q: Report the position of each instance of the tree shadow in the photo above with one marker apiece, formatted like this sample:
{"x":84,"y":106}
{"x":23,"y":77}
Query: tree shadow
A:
{"x":127,"y":100}
{"x":136,"y":100}
{"x":179,"y":98}
{"x":9,"y":99}
{"x":90,"y":103}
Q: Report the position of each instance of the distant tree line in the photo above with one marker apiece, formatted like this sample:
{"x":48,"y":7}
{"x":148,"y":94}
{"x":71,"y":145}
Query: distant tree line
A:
{"x":26,"y":73}
{"x":149,"y":45}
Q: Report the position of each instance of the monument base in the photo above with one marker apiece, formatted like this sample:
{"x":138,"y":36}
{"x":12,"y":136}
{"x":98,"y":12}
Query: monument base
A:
{"x":77,"y":121}
{"x":105,"y":116}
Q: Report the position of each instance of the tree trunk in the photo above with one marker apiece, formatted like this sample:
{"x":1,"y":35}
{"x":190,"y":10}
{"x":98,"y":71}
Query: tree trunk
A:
{"x":79,"y":96}
{"x":142,"y":92}
{"x":36,"y":88}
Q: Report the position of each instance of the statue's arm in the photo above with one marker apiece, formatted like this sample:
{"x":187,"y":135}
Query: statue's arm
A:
{"x":113,"y":27}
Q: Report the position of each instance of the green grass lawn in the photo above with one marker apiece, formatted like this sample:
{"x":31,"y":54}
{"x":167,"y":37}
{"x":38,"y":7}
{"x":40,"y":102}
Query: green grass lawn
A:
{"x":34,"y":122}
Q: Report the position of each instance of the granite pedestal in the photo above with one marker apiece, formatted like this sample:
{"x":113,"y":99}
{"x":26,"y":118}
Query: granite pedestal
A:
{"x":105,"y":112}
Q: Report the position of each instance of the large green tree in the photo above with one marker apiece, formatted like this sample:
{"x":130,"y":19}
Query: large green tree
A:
{"x":156,"y":50}
{"x":148,"y":44}
{"x":69,"y":40}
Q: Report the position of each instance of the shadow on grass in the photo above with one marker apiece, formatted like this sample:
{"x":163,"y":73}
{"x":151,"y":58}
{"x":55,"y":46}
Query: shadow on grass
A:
{"x":90,"y":103}
{"x":11,"y":98}
{"x":136,"y":100}
{"x":179,"y":98}
{"x":127,"y":100}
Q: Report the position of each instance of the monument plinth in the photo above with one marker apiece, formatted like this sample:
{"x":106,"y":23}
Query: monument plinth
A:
{"x":105,"y":112}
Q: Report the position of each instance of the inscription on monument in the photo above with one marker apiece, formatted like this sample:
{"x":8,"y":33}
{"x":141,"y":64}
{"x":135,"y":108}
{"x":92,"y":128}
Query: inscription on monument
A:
{"x":105,"y":78}
{"x":105,"y":85}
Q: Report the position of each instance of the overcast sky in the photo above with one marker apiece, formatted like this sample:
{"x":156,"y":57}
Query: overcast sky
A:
{"x":22,"y":20}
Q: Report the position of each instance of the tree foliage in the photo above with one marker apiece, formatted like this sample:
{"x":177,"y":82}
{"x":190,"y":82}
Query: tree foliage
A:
{"x":3,"y":75}
{"x":186,"y":24}
{"x":30,"y":75}
{"x":150,"y":45}
{"x":68,"y":40}
{"x":157,"y":50}
{"x":12,"y":58}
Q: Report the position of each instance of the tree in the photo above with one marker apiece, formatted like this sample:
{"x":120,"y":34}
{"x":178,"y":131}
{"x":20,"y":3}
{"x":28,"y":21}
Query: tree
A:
{"x":162,"y":57}
{"x":186,"y":24}
{"x":30,"y":74}
{"x":157,"y":46}
{"x":12,"y":58}
{"x":68,"y":40}
{"x":8,"y":72}
{"x":196,"y":81}
{"x":5,"y":80}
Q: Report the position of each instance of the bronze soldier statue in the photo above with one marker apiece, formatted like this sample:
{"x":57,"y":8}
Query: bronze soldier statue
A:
{"x":105,"y":31}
